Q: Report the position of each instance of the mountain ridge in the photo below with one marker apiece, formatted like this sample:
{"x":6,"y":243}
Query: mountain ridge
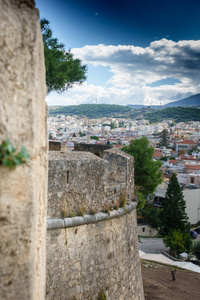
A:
{"x":191,"y":101}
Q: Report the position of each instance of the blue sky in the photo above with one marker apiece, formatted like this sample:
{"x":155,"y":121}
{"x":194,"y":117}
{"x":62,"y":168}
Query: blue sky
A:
{"x":137,"y":52}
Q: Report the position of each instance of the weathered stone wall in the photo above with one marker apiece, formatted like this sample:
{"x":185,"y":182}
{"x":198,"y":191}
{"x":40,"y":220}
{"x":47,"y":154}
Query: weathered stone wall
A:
{"x":98,"y":150}
{"x":82,"y":182}
{"x":146,"y":230}
{"x":54,"y":146}
{"x":22,"y":120}
{"x":83,"y":261}
{"x":121,"y":169}
{"x":77,"y":182}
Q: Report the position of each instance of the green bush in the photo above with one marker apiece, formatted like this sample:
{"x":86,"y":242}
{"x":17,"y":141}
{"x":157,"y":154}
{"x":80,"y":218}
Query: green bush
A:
{"x":175,"y":241}
{"x":178,"y":242}
{"x":196,"y":250}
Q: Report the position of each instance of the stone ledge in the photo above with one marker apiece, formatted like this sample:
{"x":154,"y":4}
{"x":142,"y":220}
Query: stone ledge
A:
{"x":88,"y":219}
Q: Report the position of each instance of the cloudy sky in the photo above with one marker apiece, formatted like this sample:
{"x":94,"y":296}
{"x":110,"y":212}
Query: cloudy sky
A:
{"x":137,"y":51}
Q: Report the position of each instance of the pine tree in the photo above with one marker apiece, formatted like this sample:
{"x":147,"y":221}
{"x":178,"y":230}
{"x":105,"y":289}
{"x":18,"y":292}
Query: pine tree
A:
{"x":173,"y":215}
{"x":62,"y":69}
{"x":164,"y":138}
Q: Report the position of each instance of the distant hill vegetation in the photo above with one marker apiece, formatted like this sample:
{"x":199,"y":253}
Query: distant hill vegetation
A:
{"x":92,"y":110}
{"x":189,"y":101}
{"x":178,"y":114}
{"x":138,"y":106}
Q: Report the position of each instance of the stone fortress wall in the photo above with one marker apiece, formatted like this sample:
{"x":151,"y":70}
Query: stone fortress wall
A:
{"x":96,"y":253}
{"x":23,"y":190}
{"x":98,"y":150}
{"x":87,"y":256}
{"x":83,"y":182}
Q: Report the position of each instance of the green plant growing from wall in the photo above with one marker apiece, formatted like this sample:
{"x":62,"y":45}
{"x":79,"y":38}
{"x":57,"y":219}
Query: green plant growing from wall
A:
{"x":81,"y":212}
{"x":102,"y":296}
{"x":122,"y":200}
{"x":71,"y":215}
{"x":92,"y":211}
{"x":63,"y":214}
{"x":8,"y":156}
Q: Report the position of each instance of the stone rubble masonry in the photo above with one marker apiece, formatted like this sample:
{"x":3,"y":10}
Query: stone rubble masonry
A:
{"x":83,"y":182}
{"x":55,"y":146}
{"x":121,"y":169}
{"x":95,"y":149}
{"x":23,"y":119}
{"x":99,"y":254}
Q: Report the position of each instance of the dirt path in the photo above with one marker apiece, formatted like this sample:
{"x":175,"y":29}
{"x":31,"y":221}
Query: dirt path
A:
{"x":158,"y":283}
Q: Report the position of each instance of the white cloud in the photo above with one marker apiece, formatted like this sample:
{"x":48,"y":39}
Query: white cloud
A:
{"x":133,"y":69}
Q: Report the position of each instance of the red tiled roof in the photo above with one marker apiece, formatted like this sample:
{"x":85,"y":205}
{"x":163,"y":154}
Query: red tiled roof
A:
{"x":195,"y":167}
{"x":173,"y":161}
{"x":118,"y":146}
{"x":157,"y":154}
{"x":187,"y":142}
{"x":100,"y":143}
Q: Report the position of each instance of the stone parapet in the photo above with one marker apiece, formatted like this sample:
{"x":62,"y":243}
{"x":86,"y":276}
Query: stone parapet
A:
{"x":77,"y":182}
{"x":80,"y":182}
{"x":97,"y":150}
{"x":55,"y":146}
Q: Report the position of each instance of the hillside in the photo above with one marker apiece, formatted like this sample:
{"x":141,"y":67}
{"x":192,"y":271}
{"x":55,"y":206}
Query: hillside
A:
{"x":92,"y":110}
{"x":138,"y":106}
{"x":178,"y":114}
{"x":192,"y":101}
{"x":135,"y":106}
{"x":189,"y":101}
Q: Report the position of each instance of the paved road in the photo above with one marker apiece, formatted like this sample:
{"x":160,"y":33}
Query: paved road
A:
{"x":151,"y":245}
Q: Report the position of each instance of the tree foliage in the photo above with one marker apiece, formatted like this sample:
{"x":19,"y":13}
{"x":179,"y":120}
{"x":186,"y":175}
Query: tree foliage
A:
{"x":178,"y":114}
{"x":178,"y":242}
{"x":196,"y":250}
{"x":173,"y":215}
{"x":164,"y":138}
{"x":175,"y":241}
{"x":147,"y":175}
{"x":94,"y":137}
{"x":92,"y":110}
{"x":62,"y":70}
{"x":151,"y":215}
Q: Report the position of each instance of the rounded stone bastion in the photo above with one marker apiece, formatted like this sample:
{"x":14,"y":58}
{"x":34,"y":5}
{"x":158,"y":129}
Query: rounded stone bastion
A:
{"x":92,"y":244}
